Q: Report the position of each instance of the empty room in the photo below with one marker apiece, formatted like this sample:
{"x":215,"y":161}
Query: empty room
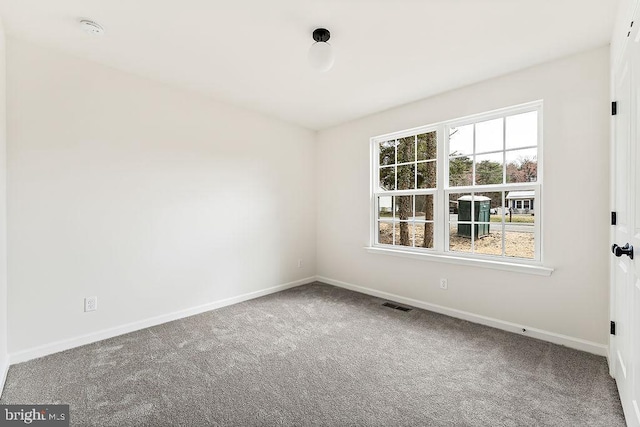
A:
{"x":319,"y":213}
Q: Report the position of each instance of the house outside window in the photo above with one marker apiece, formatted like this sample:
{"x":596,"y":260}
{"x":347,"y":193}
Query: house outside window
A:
{"x":522,"y":201}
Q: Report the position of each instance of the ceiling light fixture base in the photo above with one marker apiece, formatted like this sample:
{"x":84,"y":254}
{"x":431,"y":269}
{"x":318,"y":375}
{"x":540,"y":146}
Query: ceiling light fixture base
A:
{"x":321,"y":35}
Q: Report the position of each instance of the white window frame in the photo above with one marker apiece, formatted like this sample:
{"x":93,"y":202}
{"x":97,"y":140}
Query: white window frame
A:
{"x":440,"y":251}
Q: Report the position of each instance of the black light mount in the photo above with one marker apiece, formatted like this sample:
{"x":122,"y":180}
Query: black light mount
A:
{"x":321,"y":34}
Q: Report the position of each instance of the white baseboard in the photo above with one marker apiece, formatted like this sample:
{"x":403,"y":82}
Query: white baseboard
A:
{"x":55,"y":347}
{"x":576,"y":343}
{"x":4,"y":368}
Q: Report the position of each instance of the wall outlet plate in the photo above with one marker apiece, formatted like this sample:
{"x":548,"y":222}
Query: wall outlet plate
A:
{"x":444,"y":284}
{"x":90,"y":304}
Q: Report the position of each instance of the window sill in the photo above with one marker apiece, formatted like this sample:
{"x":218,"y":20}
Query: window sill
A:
{"x":458,"y":260}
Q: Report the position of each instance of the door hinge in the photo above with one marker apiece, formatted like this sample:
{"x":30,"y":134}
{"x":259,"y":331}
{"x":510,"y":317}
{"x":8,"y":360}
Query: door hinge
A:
{"x":613,"y":328}
{"x":614,"y":218}
{"x":614,"y":108}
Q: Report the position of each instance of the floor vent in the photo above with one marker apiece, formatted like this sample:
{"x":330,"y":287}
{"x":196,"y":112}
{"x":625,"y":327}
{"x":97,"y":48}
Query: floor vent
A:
{"x":396,"y":306}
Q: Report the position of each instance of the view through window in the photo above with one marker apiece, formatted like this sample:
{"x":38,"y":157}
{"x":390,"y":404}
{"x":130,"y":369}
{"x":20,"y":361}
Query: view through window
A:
{"x":469,"y":186}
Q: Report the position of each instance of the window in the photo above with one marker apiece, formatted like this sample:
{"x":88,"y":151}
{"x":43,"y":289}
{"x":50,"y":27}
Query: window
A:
{"x":464,"y":187}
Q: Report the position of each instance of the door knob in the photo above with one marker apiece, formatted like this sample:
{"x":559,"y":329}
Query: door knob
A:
{"x":622,"y":250}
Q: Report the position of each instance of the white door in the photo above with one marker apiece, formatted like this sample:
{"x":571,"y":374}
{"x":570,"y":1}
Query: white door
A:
{"x":625,"y":304}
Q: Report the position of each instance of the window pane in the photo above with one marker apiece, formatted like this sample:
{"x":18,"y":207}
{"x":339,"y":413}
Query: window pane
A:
{"x":458,"y":240}
{"x":384,"y":207}
{"x":427,"y":175}
{"x":488,"y":206}
{"x":522,"y":165}
{"x":387,"y":153}
{"x":497,"y":210}
{"x":404,"y":233}
{"x":460,"y":222}
{"x":385,"y":233}
{"x":487,"y":223}
{"x":460,"y":171}
{"x":489,"y":169}
{"x":404,"y":207}
{"x":521,"y":203}
{"x":520,"y":235}
{"x":461,"y":140}
{"x":424,"y":207}
{"x":407,"y":177}
{"x":427,"y":146}
{"x":424,"y":234}
{"x":489,"y":136}
{"x":522,"y":130}
{"x":453,"y":203}
{"x":490,"y":243}
{"x":388,"y":178}
{"x":406,"y":149}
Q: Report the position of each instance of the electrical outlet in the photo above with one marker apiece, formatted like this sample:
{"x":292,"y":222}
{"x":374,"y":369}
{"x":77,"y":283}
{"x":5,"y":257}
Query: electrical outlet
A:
{"x":444,"y":284}
{"x":299,"y":263}
{"x":90,"y":304}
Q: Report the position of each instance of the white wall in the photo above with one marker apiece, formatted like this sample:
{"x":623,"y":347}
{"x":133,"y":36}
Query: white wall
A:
{"x":573,"y":301}
{"x":151,"y":198}
{"x":4,"y":360}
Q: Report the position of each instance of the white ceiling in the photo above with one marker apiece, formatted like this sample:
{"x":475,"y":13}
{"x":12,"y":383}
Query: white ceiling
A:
{"x":253,"y":53}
